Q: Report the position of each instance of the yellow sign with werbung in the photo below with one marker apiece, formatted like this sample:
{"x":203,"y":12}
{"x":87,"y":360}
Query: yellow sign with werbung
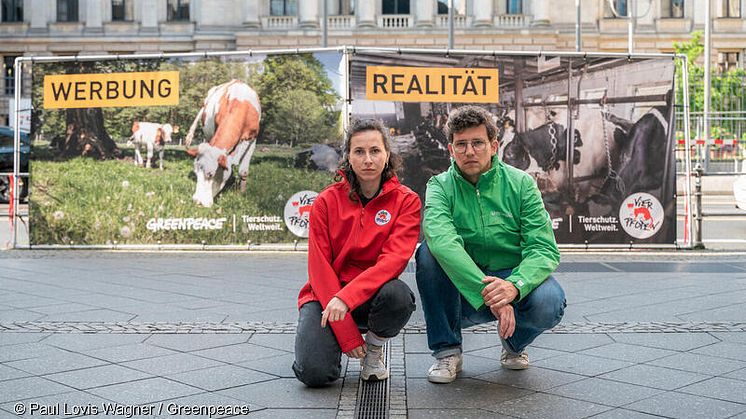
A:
{"x":155,"y":88}
{"x":429,"y":84}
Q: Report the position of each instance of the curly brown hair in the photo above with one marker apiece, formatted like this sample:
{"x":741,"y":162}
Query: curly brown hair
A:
{"x":392,"y":165}
{"x":468,"y":117}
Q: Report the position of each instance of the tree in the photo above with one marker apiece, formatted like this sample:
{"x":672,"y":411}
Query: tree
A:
{"x":296,"y":77}
{"x":300,"y":116}
{"x":727,"y":89}
{"x":85,"y":135}
{"x":81,"y":132}
{"x":692,"y":49}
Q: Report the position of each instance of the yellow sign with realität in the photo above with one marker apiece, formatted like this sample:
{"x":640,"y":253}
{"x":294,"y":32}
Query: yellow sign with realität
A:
{"x":429,"y":84}
{"x":155,"y":88}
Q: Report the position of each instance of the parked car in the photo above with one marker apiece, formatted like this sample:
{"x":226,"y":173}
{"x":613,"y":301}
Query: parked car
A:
{"x":6,"y":162}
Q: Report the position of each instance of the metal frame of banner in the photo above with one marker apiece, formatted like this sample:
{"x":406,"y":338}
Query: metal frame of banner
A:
{"x":688,"y":221}
{"x":347,"y":51}
{"x":15,"y":196}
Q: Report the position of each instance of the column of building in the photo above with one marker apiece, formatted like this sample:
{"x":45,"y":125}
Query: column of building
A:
{"x":251,"y":14}
{"x":149,"y":14}
{"x":308,"y":14}
{"x":424,"y":14}
{"x":483,"y":11}
{"x":39,"y":16}
{"x":93,"y":16}
{"x":541,"y":12}
{"x":366,"y":14}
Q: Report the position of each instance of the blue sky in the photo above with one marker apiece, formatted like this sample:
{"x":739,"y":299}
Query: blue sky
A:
{"x":331,"y":61}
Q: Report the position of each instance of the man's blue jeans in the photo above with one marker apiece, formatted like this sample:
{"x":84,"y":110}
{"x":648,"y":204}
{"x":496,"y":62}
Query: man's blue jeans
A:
{"x":446,"y":310}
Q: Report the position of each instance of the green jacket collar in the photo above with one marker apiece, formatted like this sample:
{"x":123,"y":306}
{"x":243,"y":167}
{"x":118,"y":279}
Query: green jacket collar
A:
{"x":487,"y":176}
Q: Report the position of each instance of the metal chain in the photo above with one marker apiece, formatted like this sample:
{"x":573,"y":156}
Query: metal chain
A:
{"x":553,"y":141}
{"x":552,"y":138}
{"x":611,"y":174}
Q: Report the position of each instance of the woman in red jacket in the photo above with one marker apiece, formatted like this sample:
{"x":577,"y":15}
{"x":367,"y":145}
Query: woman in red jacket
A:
{"x":363,"y":230}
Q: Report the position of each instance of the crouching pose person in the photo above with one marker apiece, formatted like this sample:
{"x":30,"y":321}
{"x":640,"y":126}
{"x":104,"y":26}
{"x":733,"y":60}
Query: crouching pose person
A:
{"x":490,"y":251}
{"x":362,"y":232}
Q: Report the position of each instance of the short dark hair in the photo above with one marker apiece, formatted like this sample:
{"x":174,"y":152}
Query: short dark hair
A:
{"x":361,"y":125}
{"x":468,"y":117}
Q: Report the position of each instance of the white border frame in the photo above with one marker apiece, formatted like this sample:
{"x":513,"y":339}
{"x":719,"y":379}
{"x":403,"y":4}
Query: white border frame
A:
{"x":346,"y":51}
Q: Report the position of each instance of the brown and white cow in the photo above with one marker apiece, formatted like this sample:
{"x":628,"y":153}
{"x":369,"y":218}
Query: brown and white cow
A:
{"x":153,"y":137}
{"x":230,"y":119}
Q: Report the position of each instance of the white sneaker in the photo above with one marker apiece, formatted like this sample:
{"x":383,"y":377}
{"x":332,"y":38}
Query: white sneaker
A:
{"x":445,"y":370}
{"x":373,"y":367}
{"x":514,"y":362}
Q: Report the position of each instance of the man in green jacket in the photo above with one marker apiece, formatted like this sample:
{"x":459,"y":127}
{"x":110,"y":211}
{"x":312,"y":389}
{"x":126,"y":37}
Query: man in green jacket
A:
{"x":488,"y":253}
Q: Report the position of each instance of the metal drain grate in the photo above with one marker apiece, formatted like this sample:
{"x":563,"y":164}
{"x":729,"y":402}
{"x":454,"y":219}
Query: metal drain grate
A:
{"x":373,"y":396}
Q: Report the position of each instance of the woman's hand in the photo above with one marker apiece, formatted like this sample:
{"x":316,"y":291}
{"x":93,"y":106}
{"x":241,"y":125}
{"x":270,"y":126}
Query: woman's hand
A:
{"x":358,"y":352}
{"x":335,"y":311}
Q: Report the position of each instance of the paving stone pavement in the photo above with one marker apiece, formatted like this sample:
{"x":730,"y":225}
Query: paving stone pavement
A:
{"x":156,"y":334}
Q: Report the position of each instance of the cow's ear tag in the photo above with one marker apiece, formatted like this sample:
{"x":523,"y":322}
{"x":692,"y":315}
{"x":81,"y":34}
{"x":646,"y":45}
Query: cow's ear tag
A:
{"x":223,"y":161}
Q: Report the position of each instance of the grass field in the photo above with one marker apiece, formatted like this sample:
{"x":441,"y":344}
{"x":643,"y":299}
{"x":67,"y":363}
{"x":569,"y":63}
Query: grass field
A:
{"x":85,"y":201}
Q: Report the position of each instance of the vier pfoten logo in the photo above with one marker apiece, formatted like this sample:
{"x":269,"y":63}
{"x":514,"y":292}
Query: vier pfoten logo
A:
{"x":383,"y":217}
{"x":641,"y":215}
{"x":298,"y":212}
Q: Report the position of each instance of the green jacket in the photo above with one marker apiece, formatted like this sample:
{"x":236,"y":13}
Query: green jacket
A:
{"x":498,"y":224}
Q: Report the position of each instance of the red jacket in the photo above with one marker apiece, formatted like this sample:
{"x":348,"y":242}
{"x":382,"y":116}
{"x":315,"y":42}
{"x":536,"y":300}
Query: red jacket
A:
{"x":353,"y":250}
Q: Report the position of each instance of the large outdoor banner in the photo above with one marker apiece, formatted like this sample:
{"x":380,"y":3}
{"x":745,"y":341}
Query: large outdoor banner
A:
{"x":234,"y":149}
{"x":595,"y":133}
{"x":226,"y":150}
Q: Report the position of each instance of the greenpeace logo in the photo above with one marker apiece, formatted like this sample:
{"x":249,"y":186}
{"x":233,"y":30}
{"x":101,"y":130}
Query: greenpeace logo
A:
{"x":158,"y":224}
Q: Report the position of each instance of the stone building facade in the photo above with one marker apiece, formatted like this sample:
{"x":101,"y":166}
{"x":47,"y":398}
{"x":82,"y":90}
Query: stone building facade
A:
{"x":69,"y":27}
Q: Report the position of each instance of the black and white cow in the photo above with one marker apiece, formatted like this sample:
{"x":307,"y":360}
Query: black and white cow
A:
{"x":640,"y":168}
{"x":538,"y":151}
{"x":596,"y":142}
{"x":541,"y":148}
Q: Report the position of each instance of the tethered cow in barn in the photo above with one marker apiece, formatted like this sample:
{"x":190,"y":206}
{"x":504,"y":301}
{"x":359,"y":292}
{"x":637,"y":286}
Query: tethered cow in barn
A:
{"x":230,"y":119}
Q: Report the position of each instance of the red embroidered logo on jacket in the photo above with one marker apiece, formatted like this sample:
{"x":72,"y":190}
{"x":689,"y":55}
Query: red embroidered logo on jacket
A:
{"x":383,"y":217}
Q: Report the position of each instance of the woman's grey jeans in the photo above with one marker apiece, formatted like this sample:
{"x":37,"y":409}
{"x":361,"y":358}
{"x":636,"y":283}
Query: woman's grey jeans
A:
{"x":317,"y":353}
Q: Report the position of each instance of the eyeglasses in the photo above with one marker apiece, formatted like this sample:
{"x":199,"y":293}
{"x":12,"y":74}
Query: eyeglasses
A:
{"x":477,"y":145}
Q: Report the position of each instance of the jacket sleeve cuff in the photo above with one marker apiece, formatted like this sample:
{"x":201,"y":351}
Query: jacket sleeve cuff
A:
{"x":475,"y":300}
{"x":352,"y":343}
{"x":347,"y":298}
{"x":522,"y":286}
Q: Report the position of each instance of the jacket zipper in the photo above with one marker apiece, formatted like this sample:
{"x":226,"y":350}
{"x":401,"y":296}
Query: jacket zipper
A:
{"x":362,"y":208}
{"x":481,"y":218}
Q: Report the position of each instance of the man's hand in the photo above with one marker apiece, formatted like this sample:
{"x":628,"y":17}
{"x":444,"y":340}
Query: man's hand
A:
{"x":358,"y":352}
{"x":498,"y":291}
{"x":506,"y":317}
{"x":335,"y":311}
